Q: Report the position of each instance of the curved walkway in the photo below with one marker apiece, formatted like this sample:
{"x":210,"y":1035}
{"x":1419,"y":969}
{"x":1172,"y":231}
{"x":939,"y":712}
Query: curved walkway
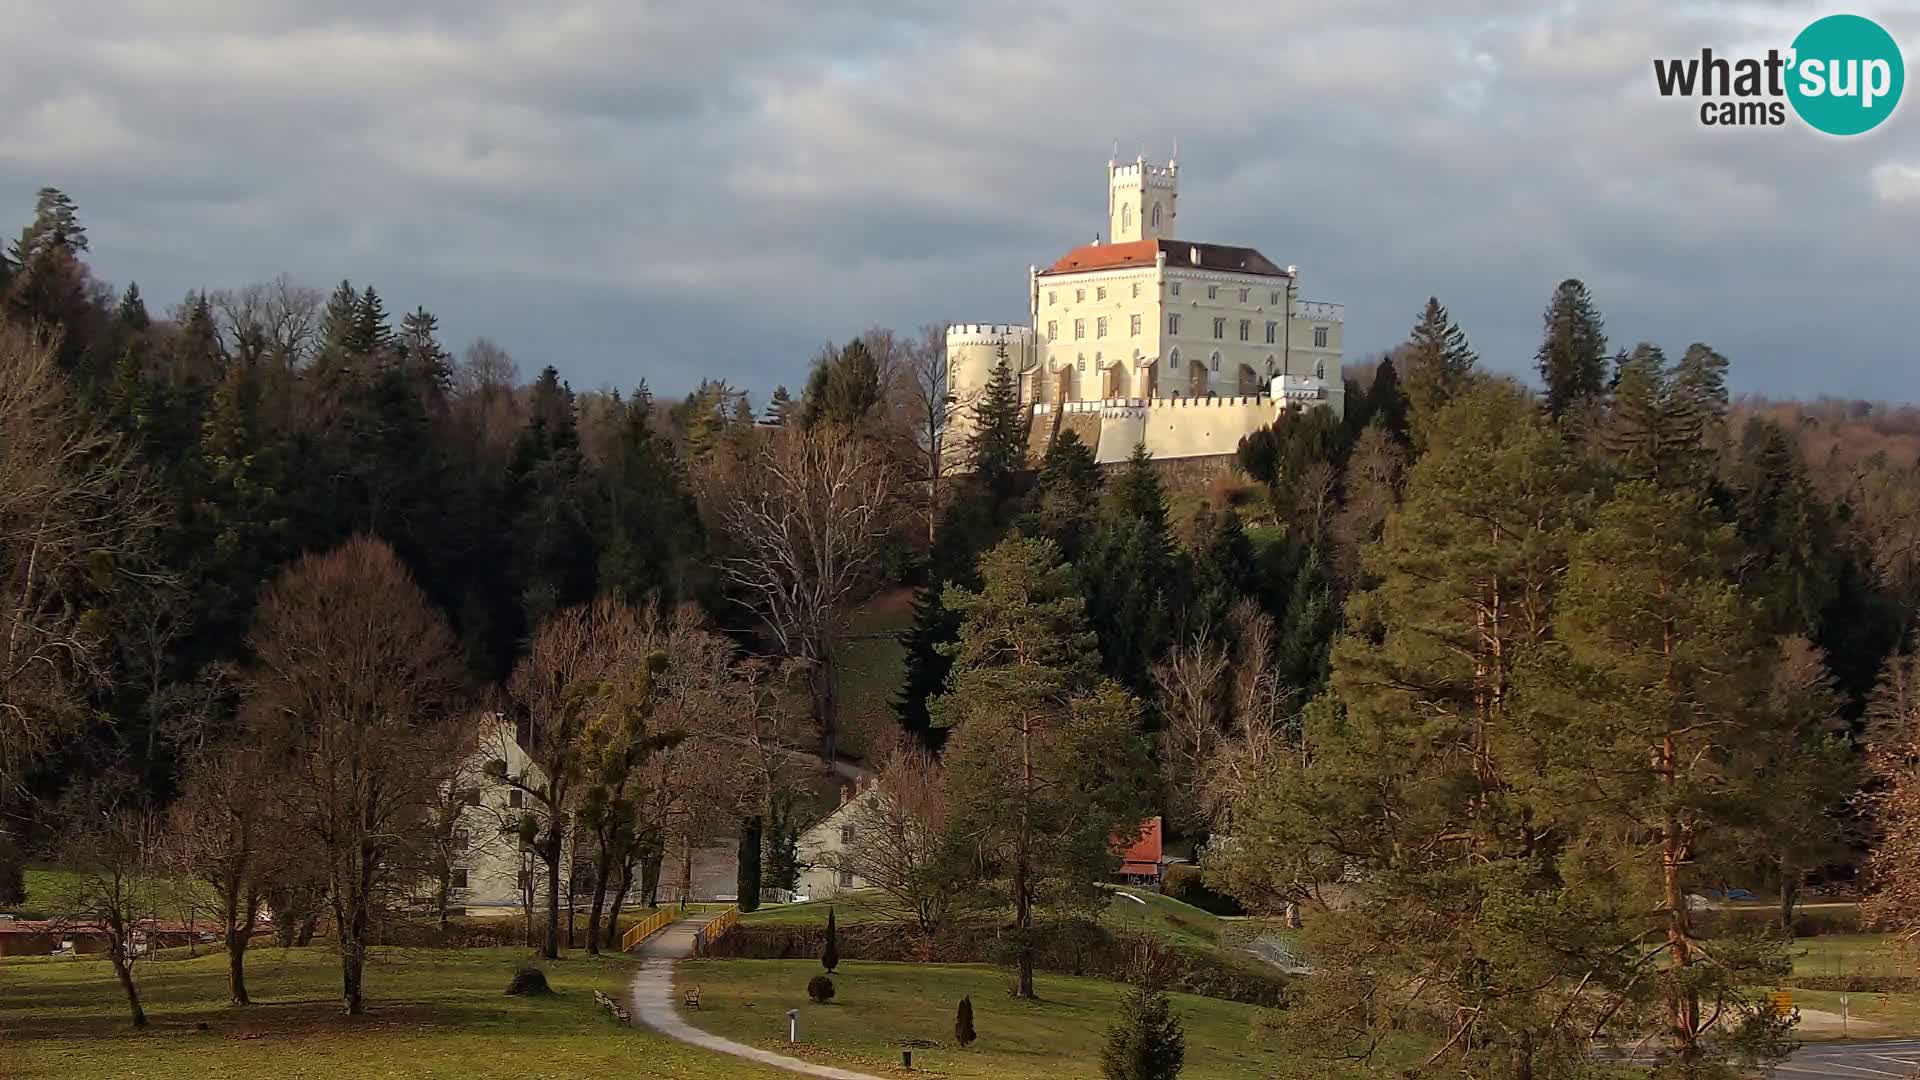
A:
{"x":652,"y":994}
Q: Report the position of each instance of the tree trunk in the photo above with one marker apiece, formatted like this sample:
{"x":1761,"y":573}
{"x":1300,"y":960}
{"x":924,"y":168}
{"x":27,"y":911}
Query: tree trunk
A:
{"x":1789,"y":897}
{"x":602,"y":866}
{"x":619,"y":904}
{"x":826,"y":702}
{"x":308,"y":927}
{"x":236,"y":968}
{"x":650,"y":877}
{"x":123,"y":970}
{"x":1022,"y":900}
{"x":551,"y":949}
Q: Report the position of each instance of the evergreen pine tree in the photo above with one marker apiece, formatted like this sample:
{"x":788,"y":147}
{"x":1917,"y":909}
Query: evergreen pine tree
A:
{"x":780,"y":411}
{"x":132,"y":312}
{"x":370,"y":332}
{"x":652,"y":543}
{"x":1387,"y":401}
{"x":963,"y":1022}
{"x":1225,"y":568}
{"x":843,"y":388}
{"x":1134,"y":582}
{"x":999,"y":441}
{"x":1145,"y":1041}
{"x":428,"y":364}
{"x":1572,"y":359}
{"x":55,"y":227}
{"x":1065,"y":501}
{"x":830,"y":955}
{"x":1439,"y":364}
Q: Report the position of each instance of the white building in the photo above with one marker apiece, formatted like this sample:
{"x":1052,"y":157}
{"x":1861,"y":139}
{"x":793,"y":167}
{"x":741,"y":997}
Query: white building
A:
{"x":1184,"y":347}
{"x":818,"y":849}
{"x":491,"y":868}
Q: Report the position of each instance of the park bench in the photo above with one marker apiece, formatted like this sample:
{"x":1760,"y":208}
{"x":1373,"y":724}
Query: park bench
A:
{"x":690,"y":997}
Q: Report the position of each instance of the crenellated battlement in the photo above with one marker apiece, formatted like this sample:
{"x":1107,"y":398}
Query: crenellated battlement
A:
{"x":1320,"y":311}
{"x":988,"y":333}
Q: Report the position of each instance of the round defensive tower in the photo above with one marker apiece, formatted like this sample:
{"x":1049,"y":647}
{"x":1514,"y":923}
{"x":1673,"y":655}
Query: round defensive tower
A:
{"x":973,"y":349}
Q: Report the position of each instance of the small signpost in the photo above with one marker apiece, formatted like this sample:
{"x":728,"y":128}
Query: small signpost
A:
{"x":793,"y":1025}
{"x":1781,"y":1001}
{"x":1843,"y":1016}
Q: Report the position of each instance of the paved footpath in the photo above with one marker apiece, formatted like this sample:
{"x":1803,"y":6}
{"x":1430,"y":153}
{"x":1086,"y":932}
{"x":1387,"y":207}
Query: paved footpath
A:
{"x":1891,"y":1059}
{"x":652,"y":994}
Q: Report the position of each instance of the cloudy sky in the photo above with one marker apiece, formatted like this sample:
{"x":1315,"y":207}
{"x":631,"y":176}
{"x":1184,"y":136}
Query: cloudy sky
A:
{"x":635,"y":188}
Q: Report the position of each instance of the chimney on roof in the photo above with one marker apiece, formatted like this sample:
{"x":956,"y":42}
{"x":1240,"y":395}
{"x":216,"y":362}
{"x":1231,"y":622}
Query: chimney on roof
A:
{"x":1194,"y":254}
{"x":1096,"y":239}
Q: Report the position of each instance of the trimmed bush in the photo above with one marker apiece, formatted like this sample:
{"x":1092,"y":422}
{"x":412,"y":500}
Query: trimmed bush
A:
{"x":528,"y":979}
{"x":830,"y":956}
{"x":963,"y":1022}
{"x":820,"y":989}
{"x":1145,"y":1041}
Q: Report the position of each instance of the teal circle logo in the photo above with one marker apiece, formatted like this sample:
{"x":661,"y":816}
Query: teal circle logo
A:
{"x":1846,"y":76}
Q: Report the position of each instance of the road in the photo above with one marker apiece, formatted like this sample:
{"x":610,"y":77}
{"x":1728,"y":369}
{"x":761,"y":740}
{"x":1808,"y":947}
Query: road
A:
{"x":1891,"y":1059}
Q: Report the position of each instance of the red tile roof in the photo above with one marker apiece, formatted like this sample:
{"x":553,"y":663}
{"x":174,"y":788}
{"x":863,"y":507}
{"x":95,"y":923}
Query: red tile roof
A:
{"x":1143,"y":856}
{"x":1239,"y":260}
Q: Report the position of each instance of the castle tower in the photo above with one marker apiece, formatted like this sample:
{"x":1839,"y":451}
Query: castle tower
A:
{"x":1141,"y":200}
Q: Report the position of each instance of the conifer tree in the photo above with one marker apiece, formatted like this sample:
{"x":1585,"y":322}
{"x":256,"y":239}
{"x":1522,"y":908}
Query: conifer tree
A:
{"x":1439,"y":363}
{"x":1225,"y":568}
{"x":1134,"y":581}
{"x":830,"y":955}
{"x":1572,"y":359}
{"x":1046,"y":762}
{"x":1387,"y":401}
{"x":652,"y":544}
{"x":999,"y":442}
{"x":1145,"y":1041}
{"x":1664,"y":420}
{"x":1065,"y":501}
{"x":780,"y":410}
{"x":963,"y":1022}
{"x":843,"y":389}
{"x":132,"y":312}
{"x":369,"y":332}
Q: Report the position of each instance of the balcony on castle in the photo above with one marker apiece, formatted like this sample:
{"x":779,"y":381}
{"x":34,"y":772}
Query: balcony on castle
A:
{"x":1299,"y":389}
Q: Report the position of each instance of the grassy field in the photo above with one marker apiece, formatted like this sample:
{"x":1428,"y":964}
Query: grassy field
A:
{"x":432,"y":1014}
{"x":47,"y":886}
{"x":878,"y":1005}
{"x":1850,"y":954}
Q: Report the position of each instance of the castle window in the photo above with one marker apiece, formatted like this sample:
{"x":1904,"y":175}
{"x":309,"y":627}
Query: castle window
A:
{"x":1319,"y":337}
{"x":1213,"y":362}
{"x":1173,"y":323}
{"x":1100,"y":293}
{"x":1219,"y":329}
{"x":1052,"y":297}
{"x":1134,"y":328}
{"x":457,"y":878}
{"x":1126,"y":216}
{"x":1319,"y":369}
{"x":1079,"y":329}
{"x":1213,"y":292}
{"x":1176,"y":288}
{"x":1053,"y":330}
{"x":1272,"y":329}
{"x":1246,"y":329}
{"x":1081,"y":363}
{"x":1079,"y":295}
{"x":1100,"y":327}
{"x":1243,"y":296}
{"x":1173,"y":361}
{"x":1273,"y":298}
{"x":1136,"y":290}
{"x":1156,"y":215}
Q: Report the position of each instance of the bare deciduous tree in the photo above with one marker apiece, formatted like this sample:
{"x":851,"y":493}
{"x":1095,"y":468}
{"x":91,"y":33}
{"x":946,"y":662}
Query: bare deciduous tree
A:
{"x":222,"y":831}
{"x":900,"y":844}
{"x":808,"y":519}
{"x":109,"y":841}
{"x":358,"y":689}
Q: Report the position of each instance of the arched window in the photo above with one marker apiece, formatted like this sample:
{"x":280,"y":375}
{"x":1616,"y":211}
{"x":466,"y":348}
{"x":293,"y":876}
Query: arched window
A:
{"x":1156,"y":215}
{"x":1272,"y":368}
{"x":1126,"y":216}
{"x":1081,"y":363}
{"x":1173,"y":360}
{"x":1213,"y":362}
{"x":1319,"y":369}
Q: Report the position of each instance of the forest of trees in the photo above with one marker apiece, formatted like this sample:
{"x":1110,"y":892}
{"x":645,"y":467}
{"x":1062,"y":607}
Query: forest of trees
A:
{"x":1530,"y":667}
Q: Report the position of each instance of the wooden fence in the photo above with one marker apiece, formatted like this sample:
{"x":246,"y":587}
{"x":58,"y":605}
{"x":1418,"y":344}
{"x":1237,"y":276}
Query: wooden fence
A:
{"x":646,"y":928}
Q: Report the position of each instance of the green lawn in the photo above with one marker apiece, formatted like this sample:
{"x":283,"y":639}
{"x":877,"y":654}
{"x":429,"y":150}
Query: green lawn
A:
{"x":47,"y":886}
{"x":877,"y":1005}
{"x":432,"y":1013}
{"x":1850,"y":954}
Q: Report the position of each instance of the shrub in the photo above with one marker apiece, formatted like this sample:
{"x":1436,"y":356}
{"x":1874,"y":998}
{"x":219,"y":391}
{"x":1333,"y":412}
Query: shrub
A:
{"x":1184,"y":882}
{"x":820,"y":989}
{"x":963,"y":1022}
{"x":528,"y":979}
{"x":1145,"y":1041}
{"x":830,"y":956}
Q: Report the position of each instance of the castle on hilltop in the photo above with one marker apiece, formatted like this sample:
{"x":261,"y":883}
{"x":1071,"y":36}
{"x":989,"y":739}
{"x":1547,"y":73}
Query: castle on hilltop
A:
{"x":1148,"y":340}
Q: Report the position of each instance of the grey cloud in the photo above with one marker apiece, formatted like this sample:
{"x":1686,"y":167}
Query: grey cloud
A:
{"x":672,"y":190}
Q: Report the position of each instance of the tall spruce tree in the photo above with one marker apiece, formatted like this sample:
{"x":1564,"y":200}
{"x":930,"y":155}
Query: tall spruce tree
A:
{"x":1134,"y":580}
{"x":652,"y":544}
{"x":998,"y":451}
{"x":1065,"y":501}
{"x":1572,"y":360}
{"x":844,"y":388}
{"x":1438,"y":363}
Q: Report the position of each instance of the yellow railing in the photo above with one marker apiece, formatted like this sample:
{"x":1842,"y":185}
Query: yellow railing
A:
{"x":715,"y":927}
{"x":646,"y":928}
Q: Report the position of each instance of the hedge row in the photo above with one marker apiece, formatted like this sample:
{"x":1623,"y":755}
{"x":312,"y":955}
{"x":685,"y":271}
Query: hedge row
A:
{"x":1072,"y":947}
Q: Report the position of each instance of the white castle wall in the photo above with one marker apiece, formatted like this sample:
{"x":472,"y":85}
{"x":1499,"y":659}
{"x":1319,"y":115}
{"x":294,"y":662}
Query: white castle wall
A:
{"x":972,"y":351}
{"x":1173,"y":427}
